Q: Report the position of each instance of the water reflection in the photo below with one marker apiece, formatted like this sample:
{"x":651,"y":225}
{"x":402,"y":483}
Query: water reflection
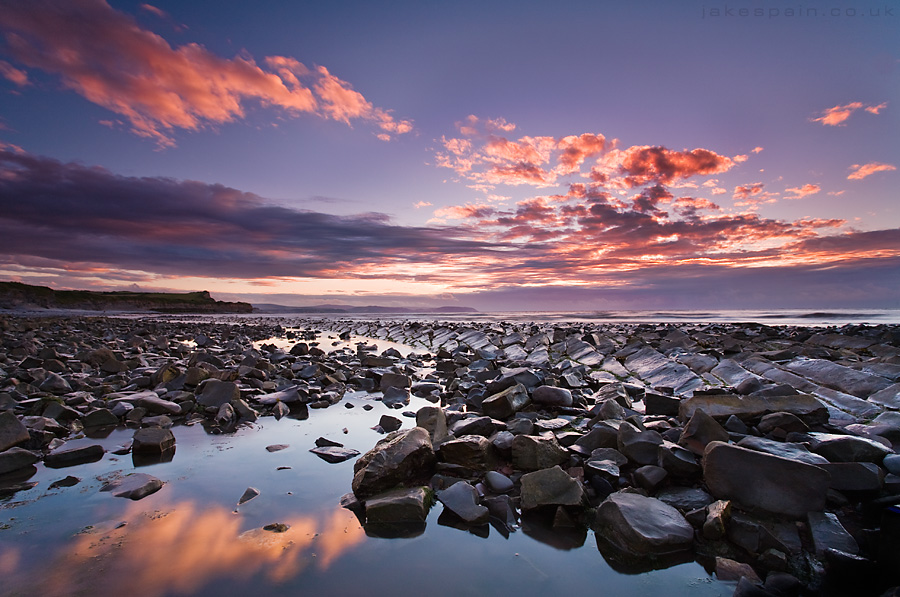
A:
{"x":181,"y":550}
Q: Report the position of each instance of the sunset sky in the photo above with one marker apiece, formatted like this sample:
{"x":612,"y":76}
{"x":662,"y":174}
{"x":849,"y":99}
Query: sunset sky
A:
{"x":507,"y":155}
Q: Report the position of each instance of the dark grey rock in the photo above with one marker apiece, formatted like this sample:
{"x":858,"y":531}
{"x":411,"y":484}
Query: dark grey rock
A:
{"x":685,"y":498}
{"x":650,"y":477}
{"x":723,"y":405}
{"x":434,"y":421}
{"x":397,"y":506}
{"x":498,"y":482}
{"x":551,"y":396}
{"x":215,"y":393}
{"x":74,"y":456}
{"x":134,"y":486}
{"x":100,"y":417}
{"x":854,"y":476}
{"x":334,"y":454}
{"x":471,"y":451}
{"x":152,"y":440}
{"x":507,"y":402}
{"x":12,"y":431}
{"x":789,"y":450}
{"x":398,"y":458}
{"x":639,"y":446}
{"x":389,"y":423}
{"x":14,"y":459}
{"x":828,"y":533}
{"x":550,"y":487}
{"x":531,"y":453}
{"x":848,"y":448}
{"x":642,"y":525}
{"x":55,"y":384}
{"x":249,"y":494}
{"x":462,"y":499}
{"x":838,"y":377}
{"x":699,"y":431}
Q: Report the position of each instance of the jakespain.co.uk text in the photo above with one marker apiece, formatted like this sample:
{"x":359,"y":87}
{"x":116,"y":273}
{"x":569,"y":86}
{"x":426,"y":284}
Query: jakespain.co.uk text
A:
{"x":798,"y":11}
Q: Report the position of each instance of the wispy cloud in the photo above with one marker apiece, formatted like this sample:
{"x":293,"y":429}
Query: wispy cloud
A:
{"x":838,"y":115}
{"x":105,"y":56}
{"x":800,"y":192}
{"x":11,"y":73}
{"x":864,"y":170}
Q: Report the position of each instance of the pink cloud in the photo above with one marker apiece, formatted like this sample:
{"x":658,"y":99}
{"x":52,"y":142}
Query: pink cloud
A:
{"x":745,"y":191}
{"x":8,"y":71}
{"x":757,"y":149}
{"x":154,"y":10}
{"x":838,"y":115}
{"x":639,"y":165}
{"x":862,"y":171}
{"x":113,"y":62}
{"x":807,"y":189}
{"x":576,"y":149}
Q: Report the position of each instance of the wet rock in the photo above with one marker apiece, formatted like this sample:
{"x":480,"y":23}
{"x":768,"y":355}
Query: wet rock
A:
{"x":789,"y":450}
{"x":642,"y":525}
{"x":242,"y":409}
{"x":848,"y":448}
{"x":471,"y":451}
{"x":249,"y":494}
{"x":720,"y":406}
{"x":828,"y":533}
{"x":278,"y":447}
{"x":55,"y":384}
{"x":658,"y":371}
{"x":639,"y":446}
{"x":152,"y":440}
{"x":280,"y":410}
{"x":678,"y":461}
{"x":14,"y":459}
{"x":397,"y":506}
{"x":215,"y":393}
{"x":685,"y":498}
{"x":498,"y":482}
{"x":12,"y":431}
{"x":717,"y":517}
{"x":551,"y":396}
{"x":334,"y":454}
{"x":74,"y":456}
{"x":68,"y":481}
{"x":100,"y":418}
{"x":531,"y":453}
{"x":398,"y":458}
{"x":699,"y":431}
{"x":727,"y":569}
{"x":474,"y":426}
{"x":434,"y":421}
{"x":154,"y":404}
{"x":650,"y":477}
{"x":838,"y":377}
{"x":286,"y":396}
{"x":507,"y":402}
{"x":389,"y":423}
{"x":462,"y":499}
{"x":778,"y":485}
{"x":394,"y":380}
{"x":550,"y":487}
{"x":134,"y":486}
{"x":395,"y":397}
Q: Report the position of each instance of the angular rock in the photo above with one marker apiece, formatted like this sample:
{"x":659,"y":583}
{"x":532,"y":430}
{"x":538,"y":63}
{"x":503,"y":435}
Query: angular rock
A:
{"x":723,"y":405}
{"x":12,"y":431}
{"x":759,"y":480}
{"x":134,"y":486}
{"x":639,"y":446}
{"x":838,"y":377}
{"x":471,"y":451}
{"x":397,"y":506}
{"x":699,"y":431}
{"x":789,"y":450}
{"x":551,"y":396}
{"x":74,"y":456}
{"x":15,"y":459}
{"x":398,"y":458}
{"x":462,"y":499}
{"x":854,"y":476}
{"x":215,"y":393}
{"x":506,"y":403}
{"x":531,"y":453}
{"x":828,"y":533}
{"x":848,"y":448}
{"x":334,"y":454}
{"x":434,"y":421}
{"x":389,"y":423}
{"x":685,"y":498}
{"x":643,"y":526}
{"x":550,"y":487}
{"x":101,"y":417}
{"x":152,"y":440}
{"x":154,"y":404}
{"x":249,"y":494}
{"x":717,"y":517}
{"x":55,"y":384}
{"x":650,"y":477}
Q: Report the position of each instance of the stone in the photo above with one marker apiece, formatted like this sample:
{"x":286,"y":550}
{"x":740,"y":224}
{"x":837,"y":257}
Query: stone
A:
{"x":659,"y":371}
{"x":394,"y":380}
{"x":498,"y":482}
{"x":100,"y":417}
{"x":249,"y":494}
{"x":462,"y":499}
{"x":551,"y":396}
{"x":134,"y":486}
{"x":152,"y":440}
{"x":474,"y":426}
{"x":243,"y":410}
{"x":287,"y":396}
{"x":685,"y":498}
{"x":639,"y":446}
{"x":277,"y":447}
{"x":677,"y":461}
{"x":74,"y":456}
{"x":854,"y":476}
{"x":828,"y":533}
{"x":154,"y":404}
{"x":397,"y":506}
{"x":699,"y":431}
{"x":550,"y":487}
{"x":55,"y":384}
{"x":642,"y":526}
{"x":471,"y":451}
{"x":720,"y":406}
{"x":717,"y":516}
{"x":14,"y":459}
{"x":389,"y":423}
{"x":334,"y":454}
{"x":659,"y":404}
{"x":650,"y":477}
{"x":789,"y":450}
{"x":729,"y":570}
{"x":838,"y":377}
{"x":759,"y":480}
{"x":395,"y":397}
{"x":531,"y":453}
{"x":215,"y":393}
{"x":12,"y":431}
{"x":785,"y":421}
{"x":434,"y":421}
{"x":398,"y":458}
{"x":848,"y":448}
{"x":507,"y":402}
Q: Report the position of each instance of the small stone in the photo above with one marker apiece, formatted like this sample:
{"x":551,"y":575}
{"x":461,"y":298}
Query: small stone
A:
{"x":12,"y":431}
{"x":650,"y":477}
{"x":334,"y":454}
{"x":498,"y":483}
{"x":731,"y":570}
{"x":277,"y":527}
{"x":718,"y":514}
{"x":134,"y":486}
{"x":15,"y":459}
{"x":322,"y":442}
{"x":74,"y":456}
{"x":69,"y":481}
{"x":389,"y":423}
{"x":462,"y":499}
{"x":249,"y":494}
{"x":152,"y":440}
{"x":277,"y":447}
{"x":550,"y":487}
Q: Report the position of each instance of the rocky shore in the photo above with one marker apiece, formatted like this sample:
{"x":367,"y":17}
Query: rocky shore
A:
{"x":767,"y":453}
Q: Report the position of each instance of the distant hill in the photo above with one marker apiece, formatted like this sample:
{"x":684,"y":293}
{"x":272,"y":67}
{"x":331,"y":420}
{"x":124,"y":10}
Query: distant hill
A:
{"x":271,"y":308}
{"x":15,"y":295}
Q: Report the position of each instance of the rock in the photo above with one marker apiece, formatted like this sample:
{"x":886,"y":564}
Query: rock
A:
{"x":434,"y":421}
{"x":507,"y":402}
{"x":639,"y":446}
{"x":727,"y":570}
{"x":12,"y":431}
{"x":659,"y":371}
{"x":784,"y":421}
{"x":100,"y":418}
{"x":334,"y":454}
{"x":215,"y":393}
{"x":471,"y":451}
{"x":395,"y":397}
{"x":73,"y":456}
{"x":134,"y":486}
{"x":287,"y":396}
{"x":398,"y":458}
{"x":498,"y":482}
{"x":474,"y":426}
{"x":153,"y":403}
{"x":642,"y":526}
{"x":55,"y":384}
{"x":854,"y":476}
{"x":249,"y":494}
{"x":720,"y":406}
{"x":243,"y":409}
{"x":462,"y":499}
{"x":14,"y":459}
{"x":685,"y":498}
{"x":677,"y":461}
{"x":394,"y":380}
{"x":848,"y":448}
{"x":531,"y":453}
{"x":717,"y":517}
{"x":397,"y":506}
{"x":68,"y":481}
{"x":278,"y":447}
{"x":701,"y":430}
{"x":389,"y":423}
{"x":791,"y":451}
{"x":828,"y":533}
{"x":658,"y":404}
{"x":892,"y":463}
{"x":838,"y":377}
{"x":778,"y":485}
{"x":650,"y":477}
{"x":152,"y":440}
{"x":550,"y":487}
{"x":551,"y":396}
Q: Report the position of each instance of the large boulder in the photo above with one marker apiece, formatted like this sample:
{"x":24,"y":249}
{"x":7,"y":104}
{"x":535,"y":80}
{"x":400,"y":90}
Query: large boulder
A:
{"x":550,"y":487}
{"x":471,"y":451}
{"x":643,"y":526}
{"x":215,"y":393}
{"x":397,"y":506}
{"x":12,"y":431}
{"x":531,"y":453}
{"x":398,"y":458}
{"x":764,"y":481}
{"x":721,"y":405}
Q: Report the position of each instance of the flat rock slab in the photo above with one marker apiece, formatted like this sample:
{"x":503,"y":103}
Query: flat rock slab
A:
{"x":828,"y":532}
{"x":15,"y":459}
{"x":838,"y":377}
{"x":658,"y":370}
{"x":531,"y":453}
{"x":400,"y":505}
{"x":722,"y":406}
{"x":287,"y":395}
{"x":848,"y":448}
{"x":759,"y":480}
{"x":643,"y":526}
{"x":334,"y":454}
{"x":788,"y":450}
{"x":550,"y":487}
{"x":134,"y":486}
{"x":74,"y":456}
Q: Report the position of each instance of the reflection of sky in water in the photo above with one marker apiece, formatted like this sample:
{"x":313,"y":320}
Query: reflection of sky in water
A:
{"x":191,"y":538}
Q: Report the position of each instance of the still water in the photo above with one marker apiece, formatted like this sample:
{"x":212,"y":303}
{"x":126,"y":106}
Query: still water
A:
{"x":191,"y":537}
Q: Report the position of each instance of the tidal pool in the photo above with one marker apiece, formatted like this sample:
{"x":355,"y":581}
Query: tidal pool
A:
{"x":191,"y":537}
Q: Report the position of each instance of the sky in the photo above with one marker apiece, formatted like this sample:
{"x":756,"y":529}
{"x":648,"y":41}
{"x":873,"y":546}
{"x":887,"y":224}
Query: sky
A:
{"x":505,"y":155}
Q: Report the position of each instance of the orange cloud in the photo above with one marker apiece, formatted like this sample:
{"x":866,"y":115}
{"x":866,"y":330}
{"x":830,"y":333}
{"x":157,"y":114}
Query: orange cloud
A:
{"x":643,"y":164}
{"x":807,"y":189}
{"x":862,"y":171}
{"x":838,"y":115}
{"x":19,"y":77}
{"x":105,"y":56}
{"x":757,"y":149}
